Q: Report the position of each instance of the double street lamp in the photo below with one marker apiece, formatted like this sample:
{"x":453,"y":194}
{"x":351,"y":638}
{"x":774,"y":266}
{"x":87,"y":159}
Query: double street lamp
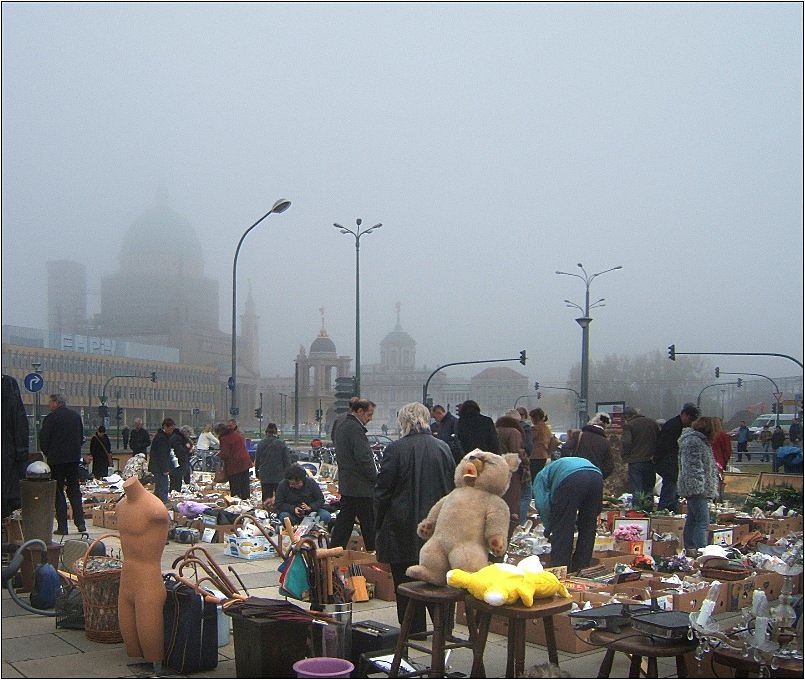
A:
{"x":584,"y":322}
{"x":357,"y":233}
{"x":279,"y":206}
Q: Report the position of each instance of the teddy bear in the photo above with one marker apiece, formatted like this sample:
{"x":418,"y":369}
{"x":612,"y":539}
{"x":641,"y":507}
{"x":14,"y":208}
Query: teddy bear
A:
{"x":464,"y":526}
{"x":501,"y":583}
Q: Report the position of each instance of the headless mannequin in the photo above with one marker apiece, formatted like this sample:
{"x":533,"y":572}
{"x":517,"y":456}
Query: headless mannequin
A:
{"x":143,"y":525}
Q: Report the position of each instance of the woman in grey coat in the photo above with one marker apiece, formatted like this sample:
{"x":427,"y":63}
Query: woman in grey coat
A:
{"x":698,"y":479}
{"x":271,"y":459}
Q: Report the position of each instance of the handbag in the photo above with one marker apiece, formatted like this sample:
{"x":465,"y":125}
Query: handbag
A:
{"x":220,"y":475}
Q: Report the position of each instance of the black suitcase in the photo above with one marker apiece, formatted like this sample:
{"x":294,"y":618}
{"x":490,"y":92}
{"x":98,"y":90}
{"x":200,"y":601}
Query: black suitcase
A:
{"x":372,"y":636}
{"x":191,"y":629}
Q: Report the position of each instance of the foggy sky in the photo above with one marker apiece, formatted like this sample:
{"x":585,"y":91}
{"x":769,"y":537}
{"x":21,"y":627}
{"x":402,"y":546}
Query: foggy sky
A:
{"x":496,"y":143}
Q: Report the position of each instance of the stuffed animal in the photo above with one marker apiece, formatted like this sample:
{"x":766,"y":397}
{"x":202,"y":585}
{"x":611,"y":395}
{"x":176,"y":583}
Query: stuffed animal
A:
{"x":499,"y":584}
{"x":468,"y":523}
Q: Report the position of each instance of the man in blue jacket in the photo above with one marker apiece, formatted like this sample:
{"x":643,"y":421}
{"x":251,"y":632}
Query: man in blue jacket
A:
{"x":61,"y":438}
{"x":568,"y":493}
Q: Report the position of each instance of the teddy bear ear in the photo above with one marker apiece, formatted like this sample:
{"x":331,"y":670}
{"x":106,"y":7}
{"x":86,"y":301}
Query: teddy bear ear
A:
{"x":512,"y":460}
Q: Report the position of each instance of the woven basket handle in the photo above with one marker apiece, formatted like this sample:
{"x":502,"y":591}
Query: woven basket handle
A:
{"x":89,"y":550}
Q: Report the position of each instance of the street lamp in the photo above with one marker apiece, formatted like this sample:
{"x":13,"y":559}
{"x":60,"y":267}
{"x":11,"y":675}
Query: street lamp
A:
{"x":584,"y":322}
{"x":279,"y":206}
{"x":357,"y":233}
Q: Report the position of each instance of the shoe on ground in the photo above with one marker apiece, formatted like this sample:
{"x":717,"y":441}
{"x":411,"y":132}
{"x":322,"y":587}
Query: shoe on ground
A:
{"x":61,"y":531}
{"x":82,"y":529}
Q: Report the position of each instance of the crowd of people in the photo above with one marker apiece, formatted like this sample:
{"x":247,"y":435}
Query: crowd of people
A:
{"x":689,"y":452}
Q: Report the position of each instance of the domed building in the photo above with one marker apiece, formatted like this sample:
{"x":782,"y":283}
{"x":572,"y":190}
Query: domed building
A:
{"x":318,"y":368}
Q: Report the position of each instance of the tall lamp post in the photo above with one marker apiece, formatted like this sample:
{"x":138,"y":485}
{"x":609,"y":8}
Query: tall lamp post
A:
{"x":584,"y":322}
{"x":279,"y":206}
{"x":357,"y":233}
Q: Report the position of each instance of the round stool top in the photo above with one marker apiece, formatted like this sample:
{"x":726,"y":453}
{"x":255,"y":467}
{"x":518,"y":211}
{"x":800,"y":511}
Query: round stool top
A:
{"x":543,"y":606}
{"x":427,"y":592}
{"x":642,"y":645}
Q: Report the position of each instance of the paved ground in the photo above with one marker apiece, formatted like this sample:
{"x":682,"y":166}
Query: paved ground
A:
{"x":32,"y":647}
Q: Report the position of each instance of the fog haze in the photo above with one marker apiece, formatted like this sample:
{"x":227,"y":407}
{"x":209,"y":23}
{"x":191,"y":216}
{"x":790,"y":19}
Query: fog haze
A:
{"x":497,"y":143}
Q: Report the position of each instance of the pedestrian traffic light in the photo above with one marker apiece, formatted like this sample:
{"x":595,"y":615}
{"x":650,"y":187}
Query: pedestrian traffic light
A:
{"x":119,"y":414}
{"x":258,"y":413}
{"x":344,"y":391}
{"x":103,"y":411}
{"x":536,"y":385}
{"x":153,"y":376}
{"x":539,"y":396}
{"x":740,"y":382}
{"x":522,"y":357}
{"x":718,"y":371}
{"x":318,"y":415}
{"x":774,"y":407}
{"x":672,"y":352}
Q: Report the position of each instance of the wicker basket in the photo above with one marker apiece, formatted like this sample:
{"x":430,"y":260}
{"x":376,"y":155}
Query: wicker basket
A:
{"x":99,"y":580}
{"x":724,"y":574}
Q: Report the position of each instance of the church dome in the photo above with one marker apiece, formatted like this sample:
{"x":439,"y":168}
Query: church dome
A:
{"x":160,"y":241}
{"x":322,"y":345}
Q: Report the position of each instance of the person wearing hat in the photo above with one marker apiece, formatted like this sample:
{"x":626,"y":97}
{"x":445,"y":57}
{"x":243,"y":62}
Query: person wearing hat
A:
{"x":666,"y":456}
{"x":591,"y":443}
{"x":637,"y":450}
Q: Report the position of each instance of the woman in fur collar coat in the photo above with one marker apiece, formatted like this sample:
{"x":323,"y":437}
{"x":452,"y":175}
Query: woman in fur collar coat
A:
{"x":512,"y":437}
{"x":698,"y":479}
{"x":591,"y":443}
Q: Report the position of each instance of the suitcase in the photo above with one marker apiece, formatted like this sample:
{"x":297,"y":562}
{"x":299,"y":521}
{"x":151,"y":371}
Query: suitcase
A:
{"x":372,"y":636}
{"x":191,"y":629}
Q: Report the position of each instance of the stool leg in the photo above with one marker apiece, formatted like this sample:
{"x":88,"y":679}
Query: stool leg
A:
{"x":651,"y":669}
{"x":634,"y":667}
{"x":606,"y":664}
{"x":517,"y":627}
{"x":550,"y":640}
{"x":404,"y":630}
{"x":437,"y":648}
{"x":481,"y":619}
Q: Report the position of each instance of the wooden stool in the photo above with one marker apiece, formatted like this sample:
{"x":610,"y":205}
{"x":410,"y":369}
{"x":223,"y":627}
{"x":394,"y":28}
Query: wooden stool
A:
{"x":439,"y":598}
{"x":637,"y":646}
{"x":479,"y":614}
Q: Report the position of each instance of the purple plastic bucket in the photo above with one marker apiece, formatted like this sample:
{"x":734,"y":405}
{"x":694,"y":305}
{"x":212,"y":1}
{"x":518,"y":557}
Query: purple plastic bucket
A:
{"x":323,"y":667}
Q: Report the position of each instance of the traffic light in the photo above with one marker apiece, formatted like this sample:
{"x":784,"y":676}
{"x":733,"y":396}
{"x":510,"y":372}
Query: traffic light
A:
{"x":718,"y":371}
{"x":536,"y":385}
{"x":740,"y":382}
{"x":153,"y":376}
{"x":539,"y":396}
{"x":344,"y":391}
{"x":119,"y":413}
{"x":774,"y":407}
{"x":258,"y":413}
{"x":672,"y":352}
{"x":522,"y":357}
{"x":103,"y":411}
{"x":318,"y":415}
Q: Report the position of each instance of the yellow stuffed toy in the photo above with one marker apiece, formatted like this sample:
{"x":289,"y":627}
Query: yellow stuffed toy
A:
{"x":500,"y":583}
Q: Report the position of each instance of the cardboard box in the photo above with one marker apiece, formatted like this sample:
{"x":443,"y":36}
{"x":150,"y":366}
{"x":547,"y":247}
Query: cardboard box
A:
{"x":777,"y":528}
{"x":609,"y":558}
{"x":356,"y":543}
{"x":354,"y":557}
{"x":665,"y":548}
{"x":248,"y":548}
{"x":720,"y":535}
{"x":110,"y":519}
{"x":692,"y":601}
{"x":380,"y":574}
{"x":634,"y":547}
{"x":741,"y":593}
{"x":769,"y":582}
{"x":668,"y":524}
{"x":98,"y":518}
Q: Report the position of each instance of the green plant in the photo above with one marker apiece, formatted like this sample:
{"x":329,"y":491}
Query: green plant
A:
{"x":643,"y":501}
{"x":773,"y":497}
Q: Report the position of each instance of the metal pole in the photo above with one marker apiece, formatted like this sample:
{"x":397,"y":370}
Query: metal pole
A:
{"x":296,"y":402}
{"x":358,"y":314}
{"x":460,"y":363}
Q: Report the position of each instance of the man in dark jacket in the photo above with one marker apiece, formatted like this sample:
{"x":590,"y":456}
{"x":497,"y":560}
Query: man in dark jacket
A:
{"x":299,"y":495}
{"x":666,"y":456}
{"x":159,"y":462}
{"x":271,"y":459}
{"x":638,"y":444}
{"x":61,"y":438}
{"x":356,"y":476}
{"x":139,"y":439}
{"x":15,"y":445}
{"x":476,"y":431}
{"x":446,"y":429}
{"x":416,"y":471}
{"x":591,"y":443}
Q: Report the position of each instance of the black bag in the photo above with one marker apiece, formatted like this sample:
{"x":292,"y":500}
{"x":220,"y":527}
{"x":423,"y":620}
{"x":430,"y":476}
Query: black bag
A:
{"x":191,"y":629}
{"x":456,"y":448}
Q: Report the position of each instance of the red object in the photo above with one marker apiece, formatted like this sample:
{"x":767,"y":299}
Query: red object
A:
{"x":722,"y":450}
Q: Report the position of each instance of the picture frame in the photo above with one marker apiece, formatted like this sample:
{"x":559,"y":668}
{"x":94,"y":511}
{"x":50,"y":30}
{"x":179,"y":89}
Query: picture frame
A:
{"x":642,"y":522}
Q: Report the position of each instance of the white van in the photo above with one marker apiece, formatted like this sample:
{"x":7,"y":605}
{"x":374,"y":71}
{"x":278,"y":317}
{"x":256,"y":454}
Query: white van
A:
{"x":770,"y":419}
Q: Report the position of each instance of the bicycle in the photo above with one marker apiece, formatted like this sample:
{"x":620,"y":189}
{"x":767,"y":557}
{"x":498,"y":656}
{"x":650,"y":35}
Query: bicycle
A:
{"x":204,"y":461}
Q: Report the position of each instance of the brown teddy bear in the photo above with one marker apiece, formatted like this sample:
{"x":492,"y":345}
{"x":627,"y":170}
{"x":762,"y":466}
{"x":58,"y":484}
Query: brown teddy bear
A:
{"x":469,"y":522}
